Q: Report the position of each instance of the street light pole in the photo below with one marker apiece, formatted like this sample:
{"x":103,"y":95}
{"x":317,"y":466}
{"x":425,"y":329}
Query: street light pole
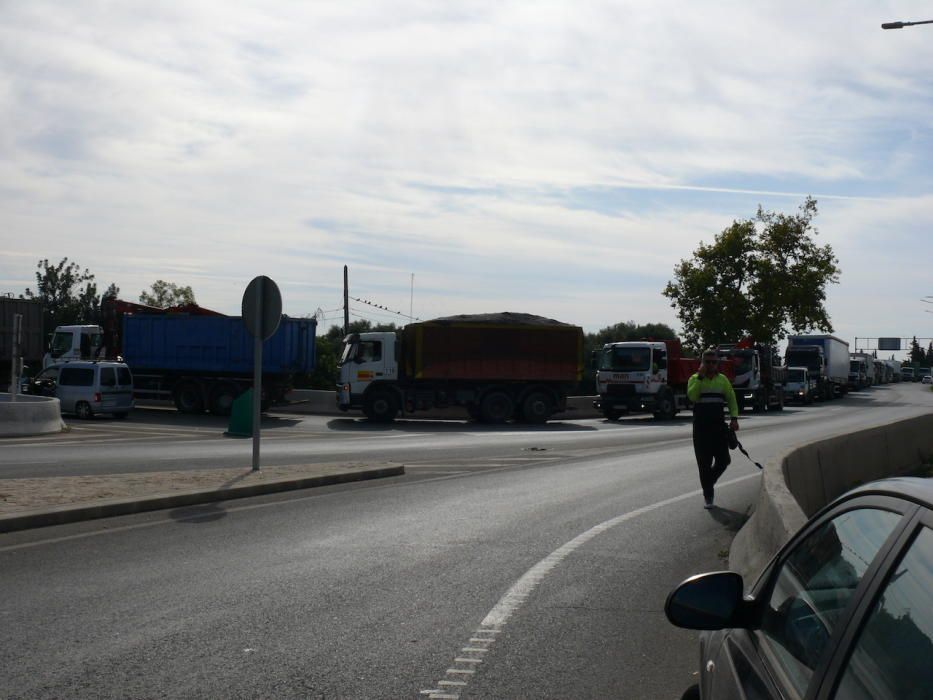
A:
{"x":901,"y":25}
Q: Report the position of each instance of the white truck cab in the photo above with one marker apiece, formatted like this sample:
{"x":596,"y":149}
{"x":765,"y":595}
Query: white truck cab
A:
{"x":74,"y":343}
{"x":631,"y":376}
{"x":799,"y":386}
{"x":367,"y":358}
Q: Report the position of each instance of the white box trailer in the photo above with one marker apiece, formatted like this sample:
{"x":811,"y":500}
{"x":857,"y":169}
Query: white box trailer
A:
{"x":835,"y":352}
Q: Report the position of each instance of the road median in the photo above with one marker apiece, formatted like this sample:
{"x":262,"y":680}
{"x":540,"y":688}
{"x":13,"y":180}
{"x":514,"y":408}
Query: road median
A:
{"x":41,"y":502}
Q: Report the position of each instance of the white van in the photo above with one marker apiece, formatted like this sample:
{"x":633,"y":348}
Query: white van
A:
{"x":87,"y":388}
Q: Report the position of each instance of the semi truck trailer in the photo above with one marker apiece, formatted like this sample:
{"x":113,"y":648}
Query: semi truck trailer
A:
{"x":498,"y":366}
{"x":32,"y":346}
{"x":825,"y":357}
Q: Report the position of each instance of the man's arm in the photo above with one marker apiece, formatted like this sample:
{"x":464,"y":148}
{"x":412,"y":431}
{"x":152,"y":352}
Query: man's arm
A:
{"x":693,"y":388}
{"x":730,"y":400}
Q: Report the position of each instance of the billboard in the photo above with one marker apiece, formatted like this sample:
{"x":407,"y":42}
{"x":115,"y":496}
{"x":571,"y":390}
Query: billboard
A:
{"x":889,"y":343}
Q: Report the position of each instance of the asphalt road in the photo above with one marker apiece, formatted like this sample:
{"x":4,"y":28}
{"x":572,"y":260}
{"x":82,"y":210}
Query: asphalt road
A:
{"x":560,"y":544}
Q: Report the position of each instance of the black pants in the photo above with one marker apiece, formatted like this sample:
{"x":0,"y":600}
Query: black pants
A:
{"x":712,"y":451}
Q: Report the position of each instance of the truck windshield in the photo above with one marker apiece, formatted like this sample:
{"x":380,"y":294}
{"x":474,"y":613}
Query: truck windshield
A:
{"x":743,"y":362}
{"x":61,"y":343}
{"x":349,"y":352}
{"x":855,"y":366}
{"x":796,"y":375}
{"x":810,"y":360}
{"x":622,"y":359}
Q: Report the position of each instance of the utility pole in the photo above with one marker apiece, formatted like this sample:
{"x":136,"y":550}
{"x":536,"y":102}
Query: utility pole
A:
{"x":346,"y":302}
{"x":411,"y":303}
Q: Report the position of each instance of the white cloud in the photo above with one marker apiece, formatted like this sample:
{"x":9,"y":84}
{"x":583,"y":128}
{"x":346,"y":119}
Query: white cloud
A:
{"x":201,"y":142}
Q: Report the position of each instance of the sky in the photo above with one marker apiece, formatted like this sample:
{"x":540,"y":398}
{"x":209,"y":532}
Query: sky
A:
{"x":556,"y":158}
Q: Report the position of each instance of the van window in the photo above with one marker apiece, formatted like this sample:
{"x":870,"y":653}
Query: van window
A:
{"x":108,"y":377}
{"x":76,"y":376}
{"x":124,"y":376}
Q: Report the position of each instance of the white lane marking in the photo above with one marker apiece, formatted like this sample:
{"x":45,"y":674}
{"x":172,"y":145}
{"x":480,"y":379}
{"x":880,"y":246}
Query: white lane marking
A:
{"x":513,"y":599}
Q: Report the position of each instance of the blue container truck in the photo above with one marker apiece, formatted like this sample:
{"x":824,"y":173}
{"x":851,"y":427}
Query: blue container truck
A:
{"x":203,"y":360}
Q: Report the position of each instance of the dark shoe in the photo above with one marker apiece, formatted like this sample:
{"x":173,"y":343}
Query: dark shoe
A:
{"x":709,"y":501}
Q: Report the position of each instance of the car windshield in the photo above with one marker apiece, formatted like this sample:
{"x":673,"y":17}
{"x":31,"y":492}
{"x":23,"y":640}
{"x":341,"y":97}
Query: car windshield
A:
{"x":626,"y":359}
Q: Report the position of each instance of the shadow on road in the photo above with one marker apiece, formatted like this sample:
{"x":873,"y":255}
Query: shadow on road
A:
{"x":195,"y":515}
{"x":730,"y":519}
{"x":361,"y":425}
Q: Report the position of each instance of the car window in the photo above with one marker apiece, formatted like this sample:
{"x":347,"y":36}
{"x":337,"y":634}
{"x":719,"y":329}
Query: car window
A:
{"x":108,"y":377}
{"x":124,"y":376}
{"x":893,"y":656}
{"x":815,"y":585}
{"x":77,"y":376}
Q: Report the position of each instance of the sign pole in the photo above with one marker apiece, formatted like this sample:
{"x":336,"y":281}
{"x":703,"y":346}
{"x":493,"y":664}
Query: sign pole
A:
{"x":257,"y":378}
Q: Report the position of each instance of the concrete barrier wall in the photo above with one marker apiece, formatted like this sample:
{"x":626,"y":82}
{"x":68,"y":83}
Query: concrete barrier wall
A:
{"x":323,"y":403}
{"x":796,"y":484}
{"x":29,"y":415}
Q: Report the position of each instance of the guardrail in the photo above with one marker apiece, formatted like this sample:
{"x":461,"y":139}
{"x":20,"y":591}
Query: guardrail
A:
{"x":796,"y":484}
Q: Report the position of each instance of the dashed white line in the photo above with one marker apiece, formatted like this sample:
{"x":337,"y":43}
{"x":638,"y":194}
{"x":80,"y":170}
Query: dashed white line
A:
{"x":521,"y":589}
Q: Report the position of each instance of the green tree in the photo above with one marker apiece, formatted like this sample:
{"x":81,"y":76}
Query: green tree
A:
{"x":761,"y":277}
{"x":916,"y":355}
{"x":68,"y":294}
{"x":165,"y":294}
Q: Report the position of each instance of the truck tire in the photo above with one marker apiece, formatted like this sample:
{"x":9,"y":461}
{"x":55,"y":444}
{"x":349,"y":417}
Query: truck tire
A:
{"x":537,"y":407}
{"x":666,"y":406}
{"x":381,"y":406}
{"x":223,"y":394}
{"x":497,"y":407}
{"x":188,"y":397}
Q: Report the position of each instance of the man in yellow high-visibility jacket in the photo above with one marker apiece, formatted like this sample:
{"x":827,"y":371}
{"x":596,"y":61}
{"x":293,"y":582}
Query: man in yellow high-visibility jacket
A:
{"x":710,"y":392}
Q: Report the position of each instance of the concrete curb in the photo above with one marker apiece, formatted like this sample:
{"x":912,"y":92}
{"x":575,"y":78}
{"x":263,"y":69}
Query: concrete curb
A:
{"x":797,"y":483}
{"x":29,"y":415}
{"x":107,"y":509}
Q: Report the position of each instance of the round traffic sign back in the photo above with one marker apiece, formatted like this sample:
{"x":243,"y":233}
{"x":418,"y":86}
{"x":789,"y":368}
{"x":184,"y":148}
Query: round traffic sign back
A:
{"x":262,"y":307}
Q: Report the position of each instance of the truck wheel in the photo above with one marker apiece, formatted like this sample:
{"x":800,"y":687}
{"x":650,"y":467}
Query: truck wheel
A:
{"x":666,"y":408}
{"x":474,"y":412}
{"x":537,"y":407}
{"x":188,"y":398}
{"x":497,"y":407}
{"x":222,"y":397}
{"x":613,"y":414}
{"x":83,"y":410}
{"x":381,"y":406}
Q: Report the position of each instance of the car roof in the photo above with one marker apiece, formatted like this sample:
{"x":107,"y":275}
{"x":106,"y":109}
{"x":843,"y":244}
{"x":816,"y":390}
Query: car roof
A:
{"x":916,"y":489}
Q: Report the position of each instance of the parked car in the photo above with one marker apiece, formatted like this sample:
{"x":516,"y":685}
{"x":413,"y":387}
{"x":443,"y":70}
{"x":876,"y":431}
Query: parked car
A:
{"x":845,"y":609}
{"x":86,"y":388}
{"x":926,"y":379}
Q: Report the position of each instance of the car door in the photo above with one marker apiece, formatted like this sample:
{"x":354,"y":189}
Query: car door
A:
{"x":109,"y":391}
{"x":803,"y":602}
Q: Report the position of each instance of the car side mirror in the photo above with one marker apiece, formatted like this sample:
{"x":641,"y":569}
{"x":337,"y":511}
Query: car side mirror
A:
{"x":711,"y":601}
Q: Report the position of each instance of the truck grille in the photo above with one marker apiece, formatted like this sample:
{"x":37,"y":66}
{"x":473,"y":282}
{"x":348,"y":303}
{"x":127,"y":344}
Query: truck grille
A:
{"x":620,"y":389}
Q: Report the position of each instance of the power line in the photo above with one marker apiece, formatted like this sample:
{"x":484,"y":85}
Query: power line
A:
{"x":385,"y":308}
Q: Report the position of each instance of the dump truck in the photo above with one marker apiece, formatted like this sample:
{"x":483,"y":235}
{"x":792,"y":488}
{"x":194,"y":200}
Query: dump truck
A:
{"x":498,"y":366}
{"x":197,"y":358}
{"x":759,"y":376}
{"x":646,"y":376}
